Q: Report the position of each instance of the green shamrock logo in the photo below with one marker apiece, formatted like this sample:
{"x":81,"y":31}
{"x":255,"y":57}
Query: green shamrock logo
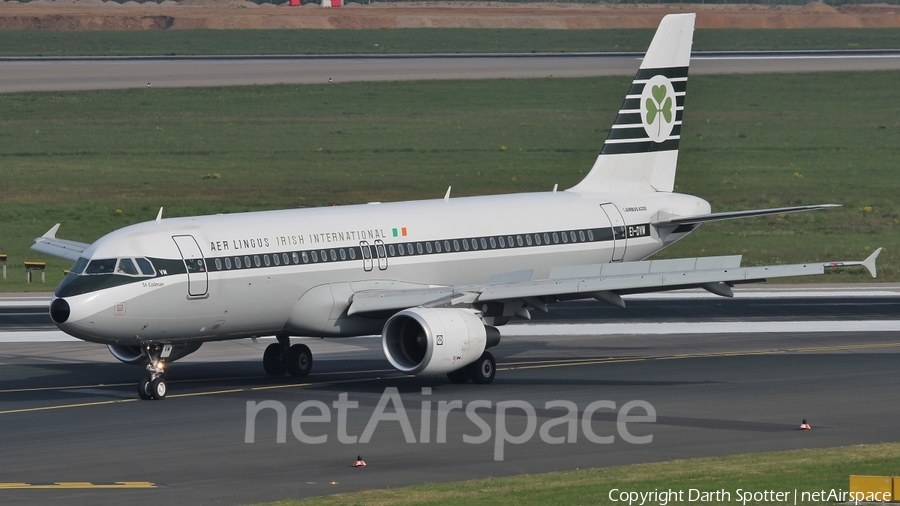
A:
{"x":659,"y":105}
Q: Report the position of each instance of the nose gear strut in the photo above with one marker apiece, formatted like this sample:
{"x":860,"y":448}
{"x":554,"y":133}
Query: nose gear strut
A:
{"x":153,"y":385}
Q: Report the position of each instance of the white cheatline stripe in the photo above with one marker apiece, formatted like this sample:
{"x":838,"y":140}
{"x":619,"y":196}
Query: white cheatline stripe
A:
{"x":767,"y":294}
{"x":25,"y":303}
{"x":736,"y":327}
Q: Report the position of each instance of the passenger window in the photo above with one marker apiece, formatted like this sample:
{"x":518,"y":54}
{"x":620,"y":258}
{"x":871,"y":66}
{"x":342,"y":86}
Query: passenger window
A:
{"x":145,"y":266}
{"x":493,"y":243}
{"x":483,"y":243}
{"x":437,"y":246}
{"x":465,"y":245}
{"x":581,"y":235}
{"x":333,"y":255}
{"x":323,"y":255}
{"x":276,"y":259}
{"x":528,"y":239}
{"x":126,"y":266}
{"x":218,"y":264}
{"x":237,"y":262}
{"x":296,"y":258}
{"x":446,"y":245}
{"x":509,"y":240}
{"x":419,"y":247}
{"x":519,"y":240}
{"x":455,"y":245}
{"x":572,"y":236}
{"x":305,"y":257}
{"x":266,"y":260}
{"x":537,"y":239}
{"x":474,"y":244}
{"x":409,"y":248}
{"x":565,"y":237}
{"x":286,"y":258}
{"x":402,"y":250}
{"x":502,"y":242}
{"x":343,"y":254}
{"x":392,"y":250}
{"x":428,"y":247}
{"x":227,"y":263}
{"x":247,"y":262}
{"x":555,"y":238}
{"x":352,"y":253}
{"x":256,"y":260}
{"x":591,"y":235}
{"x":546,"y":238}
{"x":105,"y":266}
{"x":314,"y":255}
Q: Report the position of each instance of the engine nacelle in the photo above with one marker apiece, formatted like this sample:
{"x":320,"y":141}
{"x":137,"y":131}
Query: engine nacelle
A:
{"x":435,"y":341}
{"x":133,"y":355}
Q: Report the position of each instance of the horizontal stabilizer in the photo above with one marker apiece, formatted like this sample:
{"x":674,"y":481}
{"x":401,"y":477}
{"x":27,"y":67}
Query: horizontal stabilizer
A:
{"x":50,"y":245}
{"x":732,"y":215}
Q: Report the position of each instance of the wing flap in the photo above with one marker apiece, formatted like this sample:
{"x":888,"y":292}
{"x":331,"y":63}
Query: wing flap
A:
{"x":715,"y":274}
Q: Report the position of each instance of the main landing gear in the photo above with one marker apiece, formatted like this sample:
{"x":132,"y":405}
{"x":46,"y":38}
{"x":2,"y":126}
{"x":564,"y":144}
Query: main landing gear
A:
{"x":281,"y":357}
{"x":481,"y":371}
{"x":153,"y":385}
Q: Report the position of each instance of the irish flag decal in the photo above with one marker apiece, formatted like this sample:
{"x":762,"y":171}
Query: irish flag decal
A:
{"x":398,"y":232}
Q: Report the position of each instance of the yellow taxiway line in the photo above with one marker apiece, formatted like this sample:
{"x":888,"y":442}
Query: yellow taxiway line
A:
{"x":78,"y":485}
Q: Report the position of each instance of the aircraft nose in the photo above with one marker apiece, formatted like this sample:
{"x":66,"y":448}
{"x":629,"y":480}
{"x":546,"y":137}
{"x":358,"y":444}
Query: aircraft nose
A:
{"x":59,"y":310}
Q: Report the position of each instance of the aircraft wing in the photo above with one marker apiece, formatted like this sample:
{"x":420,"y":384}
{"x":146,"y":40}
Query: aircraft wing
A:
{"x":604,"y":282}
{"x":703,"y":218}
{"x":62,"y":248}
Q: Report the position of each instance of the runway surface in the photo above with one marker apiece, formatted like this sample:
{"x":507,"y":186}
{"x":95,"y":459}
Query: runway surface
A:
{"x":46,"y":74}
{"x":69,"y":418}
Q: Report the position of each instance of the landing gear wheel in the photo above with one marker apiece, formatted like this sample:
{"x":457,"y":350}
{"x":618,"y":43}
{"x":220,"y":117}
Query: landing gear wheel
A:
{"x":272,"y":360}
{"x":298,"y":360}
{"x":482,"y":371}
{"x":458,"y":376}
{"x":144,"y":389}
{"x":158,"y":389}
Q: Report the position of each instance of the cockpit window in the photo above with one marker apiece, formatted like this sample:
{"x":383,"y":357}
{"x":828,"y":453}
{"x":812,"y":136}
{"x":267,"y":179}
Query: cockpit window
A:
{"x":146,"y":266}
{"x":126,"y":266}
{"x":105,"y":266}
{"x":79,"y":266}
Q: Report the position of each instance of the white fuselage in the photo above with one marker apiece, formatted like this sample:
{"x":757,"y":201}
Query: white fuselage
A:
{"x":288,"y":288}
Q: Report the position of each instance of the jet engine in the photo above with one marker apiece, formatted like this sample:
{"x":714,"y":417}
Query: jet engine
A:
{"x":133,"y":355}
{"x":427,"y":341}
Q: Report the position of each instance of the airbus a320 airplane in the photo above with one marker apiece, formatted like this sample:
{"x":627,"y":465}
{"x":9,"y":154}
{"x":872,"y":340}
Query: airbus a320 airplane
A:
{"x":434,"y":277}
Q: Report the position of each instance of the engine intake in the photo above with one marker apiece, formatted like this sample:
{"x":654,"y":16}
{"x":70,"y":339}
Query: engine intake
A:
{"x":435,"y":341}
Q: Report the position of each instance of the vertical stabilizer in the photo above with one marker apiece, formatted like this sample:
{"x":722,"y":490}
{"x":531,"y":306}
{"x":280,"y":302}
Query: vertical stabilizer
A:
{"x":641,"y":152}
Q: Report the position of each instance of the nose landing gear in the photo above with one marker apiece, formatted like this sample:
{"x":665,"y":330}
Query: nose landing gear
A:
{"x":153,"y":385}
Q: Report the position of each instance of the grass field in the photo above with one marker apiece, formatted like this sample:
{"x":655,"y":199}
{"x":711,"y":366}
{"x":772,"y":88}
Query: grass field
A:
{"x":97,"y":161}
{"x":802,"y":470}
{"x":420,"y":40}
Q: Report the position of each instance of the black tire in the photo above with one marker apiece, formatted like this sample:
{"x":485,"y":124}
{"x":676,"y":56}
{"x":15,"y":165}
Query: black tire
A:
{"x":482,"y":371}
{"x":158,"y":389}
{"x":144,"y":389}
{"x":458,"y":377}
{"x":299,"y":361}
{"x":272,"y":360}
